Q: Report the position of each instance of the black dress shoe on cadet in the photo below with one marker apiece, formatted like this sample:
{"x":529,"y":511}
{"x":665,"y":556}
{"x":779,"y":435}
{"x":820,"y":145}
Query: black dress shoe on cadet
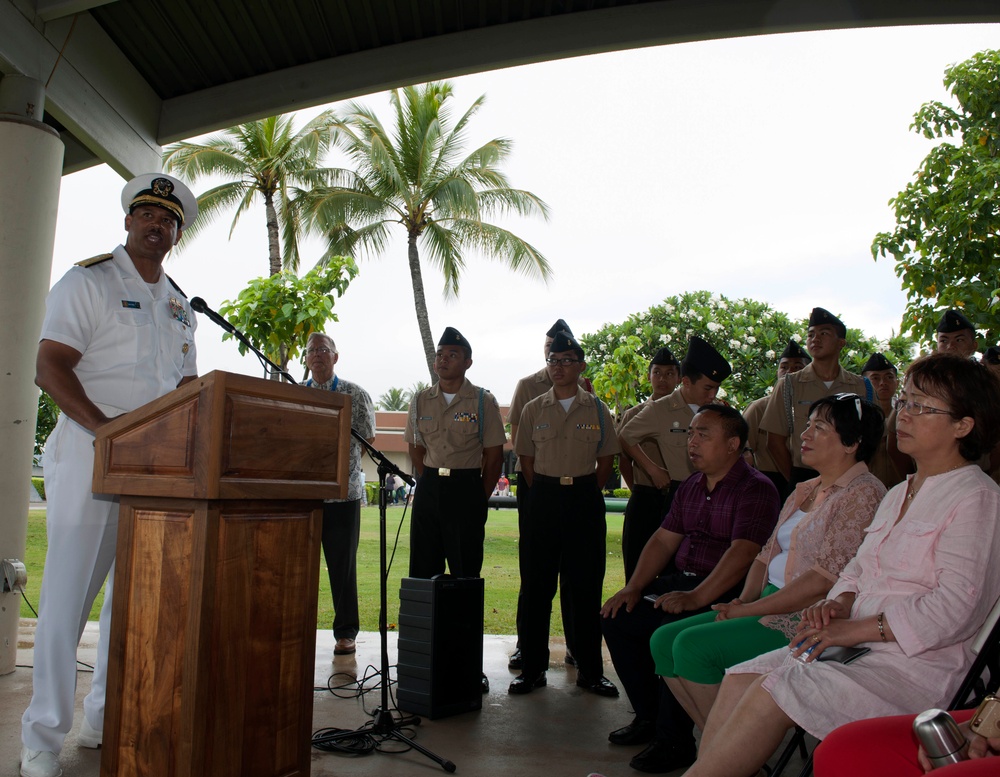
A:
{"x":661,"y":757}
{"x":638,"y":732}
{"x":569,"y":660}
{"x":602,"y":686}
{"x":516,"y":661}
{"x":486,"y":683}
{"x":522,"y":684}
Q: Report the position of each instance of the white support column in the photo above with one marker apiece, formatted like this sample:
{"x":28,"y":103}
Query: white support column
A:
{"x":31,"y":156}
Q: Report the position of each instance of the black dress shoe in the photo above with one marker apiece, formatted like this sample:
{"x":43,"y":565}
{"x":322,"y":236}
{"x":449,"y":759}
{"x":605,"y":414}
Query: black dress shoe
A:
{"x":516,"y":660}
{"x":522,"y":684}
{"x":569,"y":660}
{"x":638,"y":732}
{"x":486,"y":683}
{"x":602,"y":686}
{"x":661,"y":757}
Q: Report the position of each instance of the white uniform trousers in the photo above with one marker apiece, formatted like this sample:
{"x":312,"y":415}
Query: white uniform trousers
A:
{"x":82,"y":530}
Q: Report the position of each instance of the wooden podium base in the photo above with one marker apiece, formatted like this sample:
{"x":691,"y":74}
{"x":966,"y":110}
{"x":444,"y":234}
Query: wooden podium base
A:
{"x":213,"y":638}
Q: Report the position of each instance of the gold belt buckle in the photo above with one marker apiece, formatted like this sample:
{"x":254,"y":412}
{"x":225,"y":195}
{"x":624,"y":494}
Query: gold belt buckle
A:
{"x":444,"y":472}
{"x":565,"y":481}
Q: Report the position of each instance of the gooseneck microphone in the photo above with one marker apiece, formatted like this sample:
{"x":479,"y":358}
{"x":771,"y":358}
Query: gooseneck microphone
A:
{"x":200,"y":306}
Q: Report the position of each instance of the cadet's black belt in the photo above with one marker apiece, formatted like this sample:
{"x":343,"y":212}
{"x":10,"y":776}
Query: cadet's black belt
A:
{"x":589,"y":480}
{"x":446,"y":472}
{"x":674,"y":485}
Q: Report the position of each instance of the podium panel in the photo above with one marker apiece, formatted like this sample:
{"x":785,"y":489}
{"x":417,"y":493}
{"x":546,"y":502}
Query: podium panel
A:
{"x":440,"y":645}
{"x":213,"y":638}
{"x":226,"y":436}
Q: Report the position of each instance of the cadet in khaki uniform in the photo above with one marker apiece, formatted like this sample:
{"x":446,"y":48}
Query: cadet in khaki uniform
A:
{"x":527,"y":389}
{"x":647,"y":504}
{"x":881,"y":373}
{"x":792,"y":359}
{"x":566,"y":441}
{"x":456,"y":436}
{"x":665,"y":421}
{"x":956,"y":334}
{"x":825,"y":340}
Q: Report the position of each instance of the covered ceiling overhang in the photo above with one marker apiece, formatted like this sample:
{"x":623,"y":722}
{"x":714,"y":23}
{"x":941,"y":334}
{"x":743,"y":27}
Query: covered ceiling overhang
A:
{"x":125,"y":77}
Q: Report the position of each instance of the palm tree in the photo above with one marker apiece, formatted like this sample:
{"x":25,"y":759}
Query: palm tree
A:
{"x":265,"y":159}
{"x":421,"y":178}
{"x":394,"y":399}
{"x":413,"y":390}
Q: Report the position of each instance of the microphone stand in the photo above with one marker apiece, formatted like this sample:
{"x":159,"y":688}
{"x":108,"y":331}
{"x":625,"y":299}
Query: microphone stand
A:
{"x":382,"y":725}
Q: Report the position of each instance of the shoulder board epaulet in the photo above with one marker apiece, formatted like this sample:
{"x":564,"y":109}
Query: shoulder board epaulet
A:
{"x":94,"y":260}
{"x":179,"y":289}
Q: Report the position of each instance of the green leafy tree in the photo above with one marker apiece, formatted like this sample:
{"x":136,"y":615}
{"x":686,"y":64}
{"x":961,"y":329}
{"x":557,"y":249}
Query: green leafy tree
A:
{"x":261,"y":160}
{"x":419,"y":177}
{"x":279,"y":312}
{"x":750,"y":334}
{"x":48,"y":414}
{"x":946,"y":242}
{"x":395,"y":399}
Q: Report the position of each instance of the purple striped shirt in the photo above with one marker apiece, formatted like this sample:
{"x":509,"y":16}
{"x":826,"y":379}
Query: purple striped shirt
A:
{"x":742,"y":506}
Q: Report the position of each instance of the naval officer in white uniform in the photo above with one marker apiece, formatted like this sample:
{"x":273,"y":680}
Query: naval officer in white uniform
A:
{"x":117,"y":334}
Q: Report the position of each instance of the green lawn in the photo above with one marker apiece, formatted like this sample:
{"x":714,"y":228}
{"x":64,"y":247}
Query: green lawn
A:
{"x":499,"y":569}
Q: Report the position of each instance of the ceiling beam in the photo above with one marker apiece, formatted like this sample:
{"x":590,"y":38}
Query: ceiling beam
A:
{"x":49,"y":10}
{"x":556,"y":37}
{"x":92,"y":91}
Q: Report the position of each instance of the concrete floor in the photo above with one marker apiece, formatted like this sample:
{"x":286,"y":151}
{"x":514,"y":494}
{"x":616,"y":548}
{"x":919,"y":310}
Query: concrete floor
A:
{"x":557,"y":731}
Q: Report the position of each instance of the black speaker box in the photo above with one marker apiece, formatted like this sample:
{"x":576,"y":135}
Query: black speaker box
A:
{"x":440,"y":664}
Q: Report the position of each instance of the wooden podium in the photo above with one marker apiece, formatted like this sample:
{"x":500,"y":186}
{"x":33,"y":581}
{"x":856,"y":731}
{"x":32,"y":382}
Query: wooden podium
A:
{"x":213,"y":631}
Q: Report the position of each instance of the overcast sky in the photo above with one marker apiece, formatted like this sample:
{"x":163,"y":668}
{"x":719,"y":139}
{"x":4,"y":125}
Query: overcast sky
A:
{"x":754,"y":167}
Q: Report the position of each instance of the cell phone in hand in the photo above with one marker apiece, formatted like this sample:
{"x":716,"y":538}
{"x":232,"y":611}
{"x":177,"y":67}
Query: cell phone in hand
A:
{"x":651,"y":598}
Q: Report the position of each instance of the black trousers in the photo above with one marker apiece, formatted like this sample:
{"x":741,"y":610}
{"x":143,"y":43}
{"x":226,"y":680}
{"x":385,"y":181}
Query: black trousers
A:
{"x":567,"y":535}
{"x":523,"y":496}
{"x":448,"y":524}
{"x":643,"y":515}
{"x":341,"y":529}
{"x":627,"y":635}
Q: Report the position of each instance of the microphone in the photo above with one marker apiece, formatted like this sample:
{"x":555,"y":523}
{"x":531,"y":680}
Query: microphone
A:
{"x":200,"y":306}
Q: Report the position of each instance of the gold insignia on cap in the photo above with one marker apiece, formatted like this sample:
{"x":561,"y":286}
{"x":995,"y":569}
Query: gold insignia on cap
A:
{"x":162,"y":187}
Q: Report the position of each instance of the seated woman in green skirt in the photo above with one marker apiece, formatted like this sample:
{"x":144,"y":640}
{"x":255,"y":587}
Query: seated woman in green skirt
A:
{"x":819,"y":530}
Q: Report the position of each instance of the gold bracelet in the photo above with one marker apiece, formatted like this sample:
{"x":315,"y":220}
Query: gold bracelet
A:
{"x":881,"y":626}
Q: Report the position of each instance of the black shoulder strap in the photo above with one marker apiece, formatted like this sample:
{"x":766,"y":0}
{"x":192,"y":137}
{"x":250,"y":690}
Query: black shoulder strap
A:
{"x":179,"y":289}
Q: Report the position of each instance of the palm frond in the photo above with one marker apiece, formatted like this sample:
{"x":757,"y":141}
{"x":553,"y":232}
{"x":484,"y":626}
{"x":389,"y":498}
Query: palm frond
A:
{"x":371,"y":239}
{"x":502,"y":245}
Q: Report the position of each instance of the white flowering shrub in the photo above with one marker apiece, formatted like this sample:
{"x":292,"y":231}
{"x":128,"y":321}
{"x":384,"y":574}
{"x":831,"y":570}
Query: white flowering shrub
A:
{"x":750,"y":334}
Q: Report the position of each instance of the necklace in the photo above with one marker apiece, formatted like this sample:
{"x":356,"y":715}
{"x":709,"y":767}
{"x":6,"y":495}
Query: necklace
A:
{"x":911,"y":494}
